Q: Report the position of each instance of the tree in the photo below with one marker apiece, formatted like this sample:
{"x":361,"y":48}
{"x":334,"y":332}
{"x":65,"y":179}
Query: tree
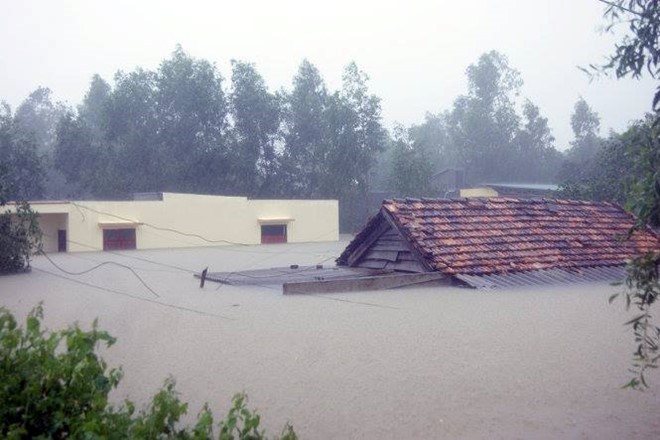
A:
{"x":585,"y":123}
{"x":355,"y":136}
{"x":256,"y":119}
{"x":39,"y":115}
{"x":191,"y":125}
{"x":535,"y":157}
{"x":20,"y":237}
{"x":615,"y":169}
{"x":153,"y":131}
{"x":411,"y":166}
{"x":56,"y":385}
{"x":482,"y":125}
{"x":305,"y":133}
{"x":19,"y":158}
{"x":79,"y":155}
{"x":485,"y":133}
{"x":19,"y":230}
{"x":94,"y":108}
{"x":432,"y":137}
{"x":636,"y":54}
{"x":585,"y":147}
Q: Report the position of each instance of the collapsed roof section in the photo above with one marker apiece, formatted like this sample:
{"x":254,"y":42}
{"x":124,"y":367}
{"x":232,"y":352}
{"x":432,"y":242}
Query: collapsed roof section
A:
{"x":495,"y":236}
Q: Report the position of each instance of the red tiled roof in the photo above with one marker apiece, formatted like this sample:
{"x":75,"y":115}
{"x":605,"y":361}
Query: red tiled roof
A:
{"x":499,"y":235}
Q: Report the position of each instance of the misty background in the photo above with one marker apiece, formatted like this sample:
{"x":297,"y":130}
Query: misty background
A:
{"x":346,"y":100}
{"x":415,"y":53}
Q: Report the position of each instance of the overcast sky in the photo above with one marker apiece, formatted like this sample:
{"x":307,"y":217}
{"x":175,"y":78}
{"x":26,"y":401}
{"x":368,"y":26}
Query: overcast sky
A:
{"x":415,"y":52}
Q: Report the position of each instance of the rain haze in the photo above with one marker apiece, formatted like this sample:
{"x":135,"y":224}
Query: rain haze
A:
{"x":415,"y":53}
{"x":377,"y":219}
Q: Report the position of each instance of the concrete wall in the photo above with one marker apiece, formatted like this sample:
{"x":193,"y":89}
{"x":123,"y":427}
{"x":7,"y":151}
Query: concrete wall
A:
{"x":219,"y":220}
{"x":50,"y":224}
{"x":478,"y":192}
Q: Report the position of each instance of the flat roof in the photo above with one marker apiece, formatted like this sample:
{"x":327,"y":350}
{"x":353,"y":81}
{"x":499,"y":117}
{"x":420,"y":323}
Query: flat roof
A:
{"x":274,"y":220}
{"x":537,"y":186}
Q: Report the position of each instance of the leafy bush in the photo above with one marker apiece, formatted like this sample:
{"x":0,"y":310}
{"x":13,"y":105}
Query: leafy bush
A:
{"x":19,"y":237}
{"x":55,"y":385}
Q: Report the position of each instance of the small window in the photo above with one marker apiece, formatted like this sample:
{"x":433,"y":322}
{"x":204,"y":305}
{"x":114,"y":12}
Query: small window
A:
{"x":114,"y":239}
{"x":273,"y":234}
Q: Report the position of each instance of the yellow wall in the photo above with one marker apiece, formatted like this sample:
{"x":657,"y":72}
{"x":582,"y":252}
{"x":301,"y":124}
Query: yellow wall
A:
{"x":221,"y":220}
{"x":478,"y":192}
{"x":52,"y":216}
{"x":50,"y":224}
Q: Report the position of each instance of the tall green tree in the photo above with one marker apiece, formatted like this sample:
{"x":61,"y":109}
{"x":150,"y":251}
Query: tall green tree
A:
{"x":535,"y":157}
{"x":585,"y":123}
{"x":79,"y":155}
{"x":20,"y":179}
{"x":153,"y":131}
{"x":432,"y":137}
{"x":95,"y":106}
{"x":128,"y":146}
{"x":411,"y":166}
{"x":615,"y":169}
{"x":585,"y":146}
{"x":39,"y":114}
{"x":255,"y":113}
{"x":303,"y":163}
{"x":356,"y":135}
{"x":19,"y":157}
{"x":191,"y":119}
{"x":483,"y":123}
{"x":636,"y":54}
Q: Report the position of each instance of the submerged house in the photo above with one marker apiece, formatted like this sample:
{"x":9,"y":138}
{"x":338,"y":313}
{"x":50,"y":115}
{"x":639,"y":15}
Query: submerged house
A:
{"x":172,"y":220}
{"x":493,"y":242}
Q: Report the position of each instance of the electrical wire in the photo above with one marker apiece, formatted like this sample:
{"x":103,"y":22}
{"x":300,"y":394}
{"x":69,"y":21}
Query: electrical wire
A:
{"x":136,"y":297}
{"x":382,"y":306}
{"x":190,"y":271}
{"x":257,"y":277}
{"x":132,"y":257}
{"x":185,"y":234}
{"x":159,"y":228}
{"x":140,"y":269}
{"x":187,"y":270}
{"x":41,"y":252}
{"x":229,"y":275}
{"x":139,"y":298}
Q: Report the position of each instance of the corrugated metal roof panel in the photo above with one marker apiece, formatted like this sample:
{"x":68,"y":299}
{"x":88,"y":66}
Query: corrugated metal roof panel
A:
{"x":545,"y":277}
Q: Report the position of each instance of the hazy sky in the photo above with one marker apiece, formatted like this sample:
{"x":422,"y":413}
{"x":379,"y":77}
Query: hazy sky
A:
{"x":415,"y":52}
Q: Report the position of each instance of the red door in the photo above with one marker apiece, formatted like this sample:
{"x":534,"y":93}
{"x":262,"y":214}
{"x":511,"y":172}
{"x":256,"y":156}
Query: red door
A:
{"x":273,"y":234}
{"x":114,"y":239}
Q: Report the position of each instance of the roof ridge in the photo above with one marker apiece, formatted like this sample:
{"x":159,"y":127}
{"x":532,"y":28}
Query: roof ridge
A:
{"x":485,"y":234}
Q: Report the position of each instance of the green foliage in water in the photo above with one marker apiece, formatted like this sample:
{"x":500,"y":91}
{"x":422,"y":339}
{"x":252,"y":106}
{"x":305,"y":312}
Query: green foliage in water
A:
{"x":54,"y":384}
{"x":20,"y":236}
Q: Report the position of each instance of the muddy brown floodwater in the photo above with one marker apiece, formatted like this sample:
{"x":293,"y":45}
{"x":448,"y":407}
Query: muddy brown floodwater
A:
{"x":541,"y":363}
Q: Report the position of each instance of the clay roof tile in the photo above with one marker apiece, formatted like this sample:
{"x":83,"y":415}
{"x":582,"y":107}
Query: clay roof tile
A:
{"x":495,"y":235}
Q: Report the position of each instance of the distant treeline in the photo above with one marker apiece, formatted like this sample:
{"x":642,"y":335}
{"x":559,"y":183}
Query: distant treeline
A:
{"x":183,"y":127}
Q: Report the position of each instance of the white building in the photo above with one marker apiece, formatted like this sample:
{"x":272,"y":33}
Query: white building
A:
{"x":169,"y":220}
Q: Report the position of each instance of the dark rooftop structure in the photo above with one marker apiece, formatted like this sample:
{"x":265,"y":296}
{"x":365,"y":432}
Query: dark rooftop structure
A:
{"x":500,"y":241}
{"x":448,"y":181}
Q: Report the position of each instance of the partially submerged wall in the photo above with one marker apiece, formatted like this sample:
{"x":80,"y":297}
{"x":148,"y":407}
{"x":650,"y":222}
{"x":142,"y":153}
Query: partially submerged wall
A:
{"x":188,"y":220}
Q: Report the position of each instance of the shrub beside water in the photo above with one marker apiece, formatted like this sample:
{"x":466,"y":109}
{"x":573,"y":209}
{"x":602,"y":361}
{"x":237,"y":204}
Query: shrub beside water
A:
{"x":55,"y":385}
